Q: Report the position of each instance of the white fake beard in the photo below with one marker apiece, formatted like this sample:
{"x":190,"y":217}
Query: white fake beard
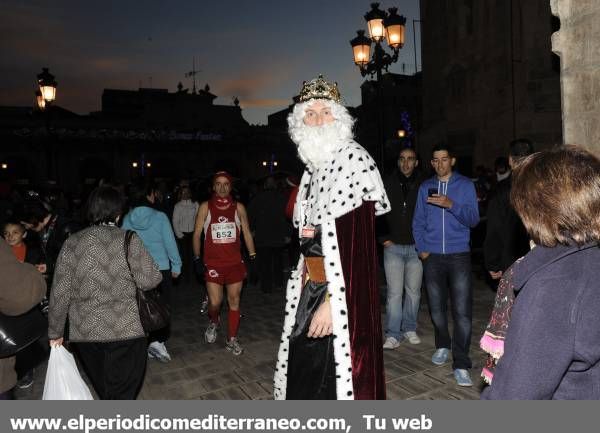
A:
{"x":316,"y":144}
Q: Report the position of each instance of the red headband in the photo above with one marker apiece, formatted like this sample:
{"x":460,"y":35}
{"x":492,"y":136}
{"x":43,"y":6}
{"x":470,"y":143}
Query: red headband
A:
{"x":222,"y":174}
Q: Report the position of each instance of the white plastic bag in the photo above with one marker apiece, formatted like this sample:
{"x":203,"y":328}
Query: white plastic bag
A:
{"x":63,"y":381}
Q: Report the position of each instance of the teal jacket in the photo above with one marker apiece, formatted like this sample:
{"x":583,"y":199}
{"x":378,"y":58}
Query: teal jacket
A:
{"x":154,"y":228}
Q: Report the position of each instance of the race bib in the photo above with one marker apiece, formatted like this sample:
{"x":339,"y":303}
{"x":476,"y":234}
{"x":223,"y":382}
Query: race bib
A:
{"x":223,"y":233}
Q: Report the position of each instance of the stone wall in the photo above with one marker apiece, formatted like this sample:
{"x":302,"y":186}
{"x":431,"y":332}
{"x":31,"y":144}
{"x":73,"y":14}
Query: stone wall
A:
{"x":578,"y":45}
{"x":489,"y":76}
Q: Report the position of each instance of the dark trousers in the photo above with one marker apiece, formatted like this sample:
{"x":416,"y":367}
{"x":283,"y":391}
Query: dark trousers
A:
{"x":185,"y":251}
{"x":450,"y":275}
{"x":270,"y":267}
{"x":32,"y":356}
{"x":116,"y":369}
{"x":165,"y":287}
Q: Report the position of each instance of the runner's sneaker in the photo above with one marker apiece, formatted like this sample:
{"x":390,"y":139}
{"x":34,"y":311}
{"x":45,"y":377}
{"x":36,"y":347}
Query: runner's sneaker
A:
{"x":159,"y":351}
{"x":211,"y":333}
{"x":233,"y":345}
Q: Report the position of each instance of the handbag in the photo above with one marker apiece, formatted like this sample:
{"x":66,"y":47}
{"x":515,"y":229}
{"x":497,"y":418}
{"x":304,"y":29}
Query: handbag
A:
{"x":154,"y":312}
{"x":18,"y":332}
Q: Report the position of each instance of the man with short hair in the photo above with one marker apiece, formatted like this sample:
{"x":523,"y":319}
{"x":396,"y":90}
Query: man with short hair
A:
{"x":223,"y":220}
{"x":403,"y":269}
{"x":506,"y":238}
{"x":446,"y":210}
{"x":331,"y":341}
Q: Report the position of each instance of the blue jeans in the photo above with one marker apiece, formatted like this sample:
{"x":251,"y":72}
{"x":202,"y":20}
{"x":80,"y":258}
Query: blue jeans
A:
{"x":403,"y":273}
{"x":450,"y":274}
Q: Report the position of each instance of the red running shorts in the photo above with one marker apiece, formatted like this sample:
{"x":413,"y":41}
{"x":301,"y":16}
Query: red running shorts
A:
{"x":223,"y":275}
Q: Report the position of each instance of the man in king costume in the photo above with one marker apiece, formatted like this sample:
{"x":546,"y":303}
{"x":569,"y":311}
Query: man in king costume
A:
{"x":332,"y":339}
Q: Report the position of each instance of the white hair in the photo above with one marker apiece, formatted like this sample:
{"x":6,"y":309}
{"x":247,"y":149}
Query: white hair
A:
{"x":316,"y":144}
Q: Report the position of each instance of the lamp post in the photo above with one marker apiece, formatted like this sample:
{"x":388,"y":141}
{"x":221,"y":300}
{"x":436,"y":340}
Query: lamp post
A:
{"x":45,"y":96}
{"x":382,"y":25}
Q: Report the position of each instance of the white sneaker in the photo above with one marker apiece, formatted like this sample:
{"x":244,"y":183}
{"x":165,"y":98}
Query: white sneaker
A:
{"x":391,"y":343}
{"x":159,"y":351}
{"x":412,"y":337}
{"x":210,"y":335}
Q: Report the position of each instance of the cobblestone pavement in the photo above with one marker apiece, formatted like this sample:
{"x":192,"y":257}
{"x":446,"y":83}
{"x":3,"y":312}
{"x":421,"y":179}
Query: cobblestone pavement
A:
{"x":200,"y":370}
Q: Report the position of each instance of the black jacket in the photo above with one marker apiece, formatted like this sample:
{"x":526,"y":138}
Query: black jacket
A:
{"x":506,"y":238}
{"x":59,"y":228}
{"x":396,"y":225}
{"x":266,"y":213}
{"x":34,"y":254}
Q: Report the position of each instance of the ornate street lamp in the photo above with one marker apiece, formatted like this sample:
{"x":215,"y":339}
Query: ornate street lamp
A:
{"x":381,"y":24}
{"x":44,"y":96}
{"x":47,"y":85}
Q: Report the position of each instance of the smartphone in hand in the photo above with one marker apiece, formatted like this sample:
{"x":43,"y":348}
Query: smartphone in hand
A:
{"x":431,"y":192}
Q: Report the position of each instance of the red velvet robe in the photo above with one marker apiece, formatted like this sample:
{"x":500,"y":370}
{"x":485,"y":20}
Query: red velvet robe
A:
{"x":358,"y":253}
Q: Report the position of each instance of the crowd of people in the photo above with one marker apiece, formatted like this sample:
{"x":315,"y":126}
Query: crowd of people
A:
{"x":541,"y":247}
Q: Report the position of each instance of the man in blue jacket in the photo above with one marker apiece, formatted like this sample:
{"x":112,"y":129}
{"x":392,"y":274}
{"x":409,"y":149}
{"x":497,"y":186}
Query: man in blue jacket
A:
{"x":446,"y":210}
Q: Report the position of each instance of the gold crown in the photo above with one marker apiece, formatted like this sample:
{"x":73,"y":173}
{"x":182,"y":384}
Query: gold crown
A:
{"x":318,"y":88}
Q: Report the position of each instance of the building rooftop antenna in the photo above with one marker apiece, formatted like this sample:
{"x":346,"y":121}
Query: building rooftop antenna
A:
{"x":193,"y":74}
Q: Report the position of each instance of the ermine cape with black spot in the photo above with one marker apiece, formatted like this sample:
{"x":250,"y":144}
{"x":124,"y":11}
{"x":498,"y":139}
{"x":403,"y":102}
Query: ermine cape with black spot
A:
{"x":334,"y":189}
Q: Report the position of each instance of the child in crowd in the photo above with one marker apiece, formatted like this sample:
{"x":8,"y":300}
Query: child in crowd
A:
{"x":14,"y":233}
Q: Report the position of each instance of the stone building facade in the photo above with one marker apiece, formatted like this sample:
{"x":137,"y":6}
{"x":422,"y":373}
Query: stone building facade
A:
{"x":578,"y":44}
{"x":145,"y":132}
{"x":489,"y":76}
